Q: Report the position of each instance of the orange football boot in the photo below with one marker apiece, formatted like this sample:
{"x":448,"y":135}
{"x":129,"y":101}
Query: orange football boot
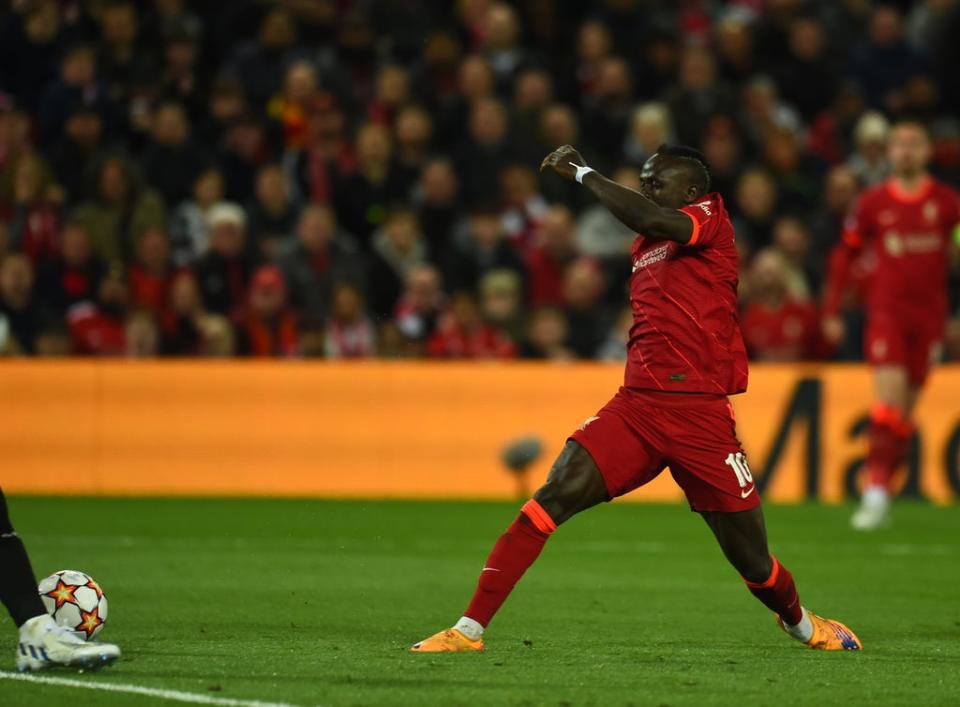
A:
{"x":829,"y":635}
{"x":447,"y":641}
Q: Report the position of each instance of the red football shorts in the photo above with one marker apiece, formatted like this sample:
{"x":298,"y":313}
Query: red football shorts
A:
{"x":911,"y":342}
{"x":639,"y":433}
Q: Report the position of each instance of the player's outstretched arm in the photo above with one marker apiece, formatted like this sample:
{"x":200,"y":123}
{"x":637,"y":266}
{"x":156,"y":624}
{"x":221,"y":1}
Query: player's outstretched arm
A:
{"x":632,"y":208}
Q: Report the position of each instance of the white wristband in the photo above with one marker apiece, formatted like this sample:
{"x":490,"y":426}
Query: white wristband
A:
{"x":582,"y":171}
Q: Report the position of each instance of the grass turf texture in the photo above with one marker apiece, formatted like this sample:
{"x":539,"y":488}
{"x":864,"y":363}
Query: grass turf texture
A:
{"x":315,"y":603}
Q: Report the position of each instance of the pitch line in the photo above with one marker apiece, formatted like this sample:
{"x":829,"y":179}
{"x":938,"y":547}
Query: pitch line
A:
{"x":173,"y":695}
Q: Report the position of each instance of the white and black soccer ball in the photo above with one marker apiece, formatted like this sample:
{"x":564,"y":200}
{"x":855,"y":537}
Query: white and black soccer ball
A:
{"x":75,"y":601}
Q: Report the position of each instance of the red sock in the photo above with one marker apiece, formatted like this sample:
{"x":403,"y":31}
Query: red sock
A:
{"x":779,"y":593}
{"x":514,"y":552}
{"x":890,"y":436}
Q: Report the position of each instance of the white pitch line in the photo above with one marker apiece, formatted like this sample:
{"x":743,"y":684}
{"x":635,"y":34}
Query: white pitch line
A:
{"x":174,"y":695}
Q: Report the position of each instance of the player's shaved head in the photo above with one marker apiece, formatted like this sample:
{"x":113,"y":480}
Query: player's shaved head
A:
{"x":675,"y":176}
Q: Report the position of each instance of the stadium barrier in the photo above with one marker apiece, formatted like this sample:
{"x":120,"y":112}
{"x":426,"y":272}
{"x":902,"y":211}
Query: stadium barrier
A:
{"x":411,"y":430}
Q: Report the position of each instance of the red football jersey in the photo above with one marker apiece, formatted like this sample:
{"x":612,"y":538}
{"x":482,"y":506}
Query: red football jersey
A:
{"x":909,"y":236}
{"x":685,"y":336}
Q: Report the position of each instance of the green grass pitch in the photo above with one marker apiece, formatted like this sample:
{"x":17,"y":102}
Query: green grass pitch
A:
{"x":315,"y":602}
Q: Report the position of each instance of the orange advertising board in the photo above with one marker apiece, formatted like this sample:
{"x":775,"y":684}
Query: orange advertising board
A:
{"x":409,"y":430}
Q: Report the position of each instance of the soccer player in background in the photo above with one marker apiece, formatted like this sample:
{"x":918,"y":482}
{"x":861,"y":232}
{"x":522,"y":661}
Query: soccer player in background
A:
{"x":685,"y":356}
{"x":43,"y":643}
{"x":905,"y":224}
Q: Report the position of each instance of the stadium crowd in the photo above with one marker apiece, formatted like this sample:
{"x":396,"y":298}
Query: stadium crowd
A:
{"x":350,"y":178}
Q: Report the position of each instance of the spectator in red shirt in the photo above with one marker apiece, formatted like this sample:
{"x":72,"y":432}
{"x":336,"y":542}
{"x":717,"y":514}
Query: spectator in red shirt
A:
{"x":74,"y":274}
{"x":30,"y":207}
{"x":419,"y":308}
{"x":98,"y":328}
{"x":549,"y":258}
{"x":350,"y":333}
{"x":270,"y":326}
{"x":463,"y":334}
{"x":150,"y":274}
{"x":775,"y":326}
{"x":524,"y":206}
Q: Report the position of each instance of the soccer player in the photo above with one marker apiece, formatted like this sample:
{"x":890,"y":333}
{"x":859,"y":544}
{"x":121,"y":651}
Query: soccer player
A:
{"x":685,"y":356}
{"x":906,"y":225}
{"x":43,"y":643}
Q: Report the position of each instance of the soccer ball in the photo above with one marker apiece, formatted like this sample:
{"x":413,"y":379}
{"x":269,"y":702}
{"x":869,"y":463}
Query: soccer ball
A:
{"x":75,"y":601}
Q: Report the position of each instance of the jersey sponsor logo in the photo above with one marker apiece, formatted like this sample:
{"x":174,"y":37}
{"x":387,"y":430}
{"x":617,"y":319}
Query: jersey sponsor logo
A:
{"x":898,"y":244}
{"x":652,"y":256}
{"x":705,"y":205}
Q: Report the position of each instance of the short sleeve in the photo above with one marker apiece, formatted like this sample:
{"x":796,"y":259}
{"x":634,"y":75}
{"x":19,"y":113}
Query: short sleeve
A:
{"x":706,"y":222}
{"x":856,"y":226}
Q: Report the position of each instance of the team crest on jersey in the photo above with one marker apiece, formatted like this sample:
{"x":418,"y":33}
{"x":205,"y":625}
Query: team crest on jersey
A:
{"x":886,"y":217}
{"x":930,"y":211}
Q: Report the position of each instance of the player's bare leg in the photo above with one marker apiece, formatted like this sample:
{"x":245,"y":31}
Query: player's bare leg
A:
{"x":743,"y":539}
{"x":890,"y":433}
{"x":573,"y":485}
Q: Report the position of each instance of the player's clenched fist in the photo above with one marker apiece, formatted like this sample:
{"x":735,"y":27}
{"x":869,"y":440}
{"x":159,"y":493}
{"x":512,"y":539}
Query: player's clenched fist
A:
{"x":564,"y":161}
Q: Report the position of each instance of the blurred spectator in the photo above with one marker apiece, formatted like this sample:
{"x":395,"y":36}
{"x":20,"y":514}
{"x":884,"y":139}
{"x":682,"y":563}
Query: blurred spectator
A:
{"x":869,"y":162}
{"x":547,"y":333}
{"x":269,"y":328}
{"x":775,"y":326}
{"x":791,"y":240}
{"x":735,"y":50}
{"x":884,"y":62}
{"x":606,"y":112}
{"x":806,"y":77}
{"x":127,"y":66}
{"x":30,"y":204}
{"x":413,"y":129}
{"x":487,"y":150}
{"x":698,"y":95}
{"x":294,"y":107}
{"x":19,"y":314}
{"x":587,"y":319}
{"x":438,"y":206}
{"x":120,"y":210}
{"x":391,"y":91}
{"x":724,"y":152}
{"x":78,"y":85}
{"x":223,"y":272}
{"x":349,"y":333}
{"x":272,"y":216}
{"x":840,"y":190}
{"x":474,"y":82}
{"x":321,"y":259}
{"x":172,"y":160}
{"x":259,"y":64}
{"x":532,"y":94}
{"x":363,"y":198}
{"x":764,"y":114}
{"x":547,"y":261}
{"x":141,"y":335}
{"x":500,"y":42}
{"x":756,"y":205}
{"x":462,"y":333}
{"x":485,"y":249}
{"x":244,"y":149}
{"x":398,"y":248}
{"x":29,"y":41}
{"x":501,"y":302}
{"x":75,"y":156}
{"x":188,"y":225}
{"x":649,"y":128}
{"x":523,"y":205}
{"x":73,"y":274}
{"x":327,"y":156}
{"x":599,"y":233}
{"x":150,"y":273}
{"x":97,"y":327}
{"x":420,"y":305}
{"x":614,"y":347}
